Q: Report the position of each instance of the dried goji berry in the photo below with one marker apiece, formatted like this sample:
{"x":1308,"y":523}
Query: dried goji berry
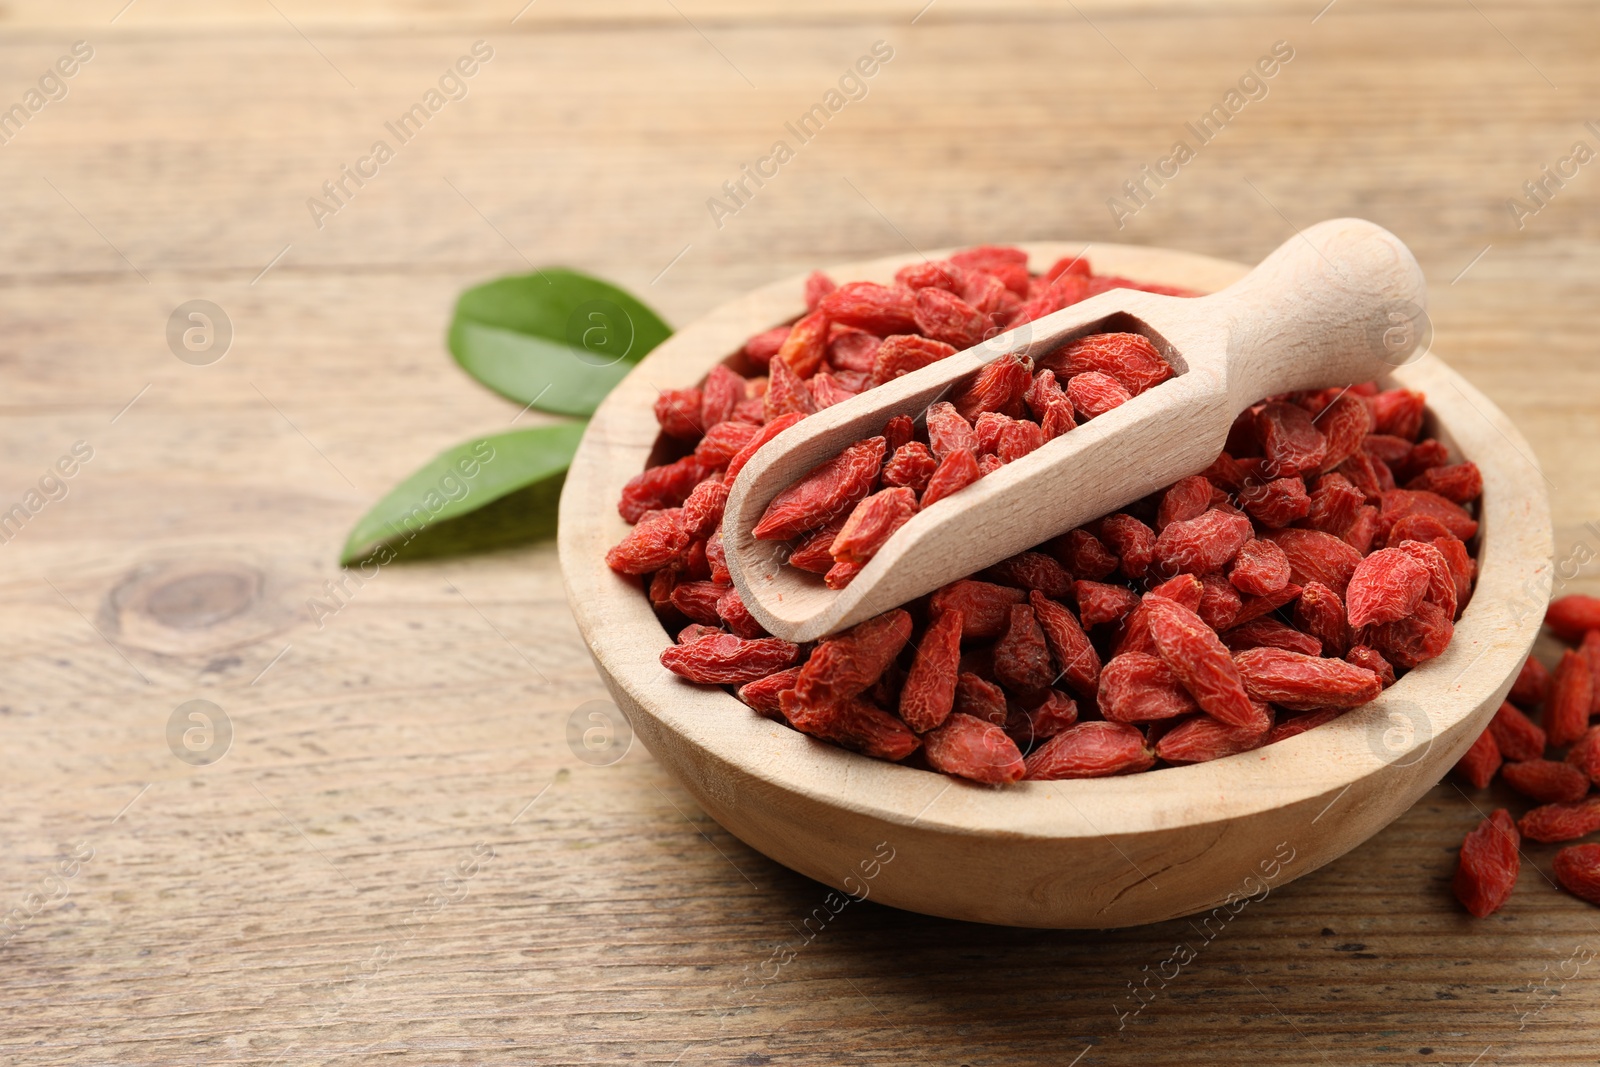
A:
{"x":1270,"y":633}
{"x":814,"y":552}
{"x":723,"y":659}
{"x":731,"y":609}
{"x":1290,"y":441}
{"x":980,"y":698}
{"x":1137,"y":687}
{"x":678,"y":413}
{"x":1200,"y":660}
{"x":1398,"y":412}
{"x":765,"y":434}
{"x":974,"y":749}
{"x":1441,"y":582}
{"x":1133,"y":543}
{"x":1082,"y":553}
{"x":1463,"y":569}
{"x":845,"y":665}
{"x":761,"y":348}
{"x":912,"y":465}
{"x":702,"y":512}
{"x":872,"y":522}
{"x":721,"y":443}
{"x":763,"y":693}
{"x":984,"y":606}
{"x":1566,"y":710}
{"x":1219,"y":601}
{"x":1385,"y":586}
{"x":1487,"y":867}
{"x":827,"y":492}
{"x":930,"y":688}
{"x":1033,"y":570}
{"x":1022,"y":658}
{"x":1585,"y":754}
{"x":1461,"y":482}
{"x":1295,"y":725}
{"x":1481,"y":761}
{"x":949,"y":431}
{"x":818,"y":285}
{"x":1256,"y":606}
{"x":1577,"y":869}
{"x":657,"y":540}
{"x":1344,"y":423}
{"x":1372,"y":660}
{"x":1415,"y":639}
{"x":698,"y":601}
{"x":1517,"y":736}
{"x":1074,"y":654}
{"x":1090,"y":750}
{"x":1547,"y":781}
{"x":826,"y":390}
{"x":901,"y":354}
{"x":1054,"y":712}
{"x":1317,"y":557}
{"x":1185,"y":589}
{"x":1202,"y":738}
{"x":721,"y":393}
{"x":1099,"y":603}
{"x":1296,"y":680}
{"x":1259,"y":568}
{"x":1573,"y":615}
{"x":1562,"y":822}
{"x":1129,"y":358}
{"x":1093,"y":393}
{"x":999,"y":386}
{"x":853,"y":723}
{"x":1320,"y":613}
{"x":955,"y":472}
{"x":1276,"y":503}
{"x":665,"y":486}
{"x":786,"y":393}
{"x":875,"y":308}
{"x":1188,"y":498}
{"x":944,"y":316}
{"x":1203,"y":544}
{"x":1398,"y":503}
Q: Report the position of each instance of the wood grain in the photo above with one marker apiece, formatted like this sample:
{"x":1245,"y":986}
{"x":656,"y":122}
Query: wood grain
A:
{"x":223,"y":909}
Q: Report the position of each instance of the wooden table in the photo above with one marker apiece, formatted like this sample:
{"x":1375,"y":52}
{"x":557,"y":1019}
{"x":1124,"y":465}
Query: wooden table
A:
{"x":399,"y":856}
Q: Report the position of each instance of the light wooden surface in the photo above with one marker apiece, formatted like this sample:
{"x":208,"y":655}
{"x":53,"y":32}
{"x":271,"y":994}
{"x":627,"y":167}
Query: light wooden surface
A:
{"x":224,"y":906}
{"x":1076,"y":854}
{"x":1302,"y":319}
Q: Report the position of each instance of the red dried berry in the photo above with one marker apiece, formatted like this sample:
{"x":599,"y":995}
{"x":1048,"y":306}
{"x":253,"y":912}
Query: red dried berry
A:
{"x":1547,"y":781}
{"x":829,"y":491}
{"x":1488,"y":864}
{"x":761,"y":348}
{"x":1517,"y":736}
{"x":732,"y":611}
{"x":949,"y":431}
{"x":972,"y":748}
{"x":1296,"y":680}
{"x":1461,"y":482}
{"x":1299,"y":724}
{"x":1188,"y":498}
{"x":764,"y":435}
{"x":1481,"y":761}
{"x":1577,"y":869}
{"x":1259,"y":568}
{"x":873,"y":521}
{"x":1270,"y":633}
{"x":1573,"y":615}
{"x":786,"y":393}
{"x":1290,"y":441}
{"x":1202,"y":739}
{"x":1415,"y":639}
{"x":1372,"y":660}
{"x":678,"y":413}
{"x":845,"y":666}
{"x":1344,"y":423}
{"x":1320,"y":613}
{"x":1566,"y":711}
{"x":1219,"y":602}
{"x":901,"y":354}
{"x":721,"y":443}
{"x":818,"y":285}
{"x":814,"y":553}
{"x":1398,"y":412}
{"x":1255,"y":607}
{"x":955,"y":472}
{"x":1093,"y":393}
{"x":1276,"y":503}
{"x":984,"y":606}
{"x":1203,"y":544}
{"x":1052,"y":714}
{"x":666,"y":486}
{"x":1082,"y":553}
{"x":1021,"y":657}
{"x":763,"y":693}
{"x":1562,"y":822}
{"x":853,"y":723}
{"x":698,"y":601}
{"x":1384,"y":587}
{"x":1399,"y":503}
{"x":1100,"y":603}
{"x":930,"y":688}
{"x":1132,"y":541}
{"x":912,"y":465}
{"x":1185,"y":589}
{"x":944,"y":316}
{"x":1075,"y":656}
{"x":723,"y":659}
{"x":1137,"y":687}
{"x":875,"y":308}
{"x":980,"y":698}
{"x":657,"y":540}
{"x":999,"y":386}
{"x":702,"y":512}
{"x":1033,"y":571}
{"x":1200,"y":660}
{"x":1585,"y":754}
{"x":1129,"y":358}
{"x":1090,"y":750}
{"x":1317,"y":557}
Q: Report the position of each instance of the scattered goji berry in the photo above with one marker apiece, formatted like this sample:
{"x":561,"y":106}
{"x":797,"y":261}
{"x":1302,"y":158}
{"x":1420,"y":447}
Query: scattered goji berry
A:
{"x":1547,"y":781}
{"x":1089,"y":750}
{"x":973,"y":748}
{"x":955,"y":472}
{"x":1562,"y":822}
{"x":1075,"y":655}
{"x":1573,"y":615}
{"x":1487,"y":867}
{"x":1577,"y":869}
{"x":872,"y":522}
{"x":723,"y":659}
{"x":1481,"y":761}
{"x":1566,"y":710}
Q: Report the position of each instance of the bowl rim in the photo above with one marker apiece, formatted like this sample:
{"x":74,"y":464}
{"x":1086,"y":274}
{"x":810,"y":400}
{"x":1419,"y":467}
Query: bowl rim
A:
{"x":1491,"y":638}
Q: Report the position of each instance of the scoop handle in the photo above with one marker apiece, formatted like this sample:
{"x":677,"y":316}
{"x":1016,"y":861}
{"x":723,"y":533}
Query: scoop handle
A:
{"x":1343,"y":301}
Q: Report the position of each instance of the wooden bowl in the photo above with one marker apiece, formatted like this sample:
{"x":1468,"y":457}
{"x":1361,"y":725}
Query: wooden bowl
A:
{"x":1088,"y":853}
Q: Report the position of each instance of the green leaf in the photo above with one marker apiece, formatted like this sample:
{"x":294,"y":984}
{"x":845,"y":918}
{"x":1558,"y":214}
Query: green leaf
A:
{"x":555,"y":339}
{"x":463,"y":479}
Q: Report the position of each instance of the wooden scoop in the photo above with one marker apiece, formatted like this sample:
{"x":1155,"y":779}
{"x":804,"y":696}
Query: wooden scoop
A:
{"x":1340,"y":303}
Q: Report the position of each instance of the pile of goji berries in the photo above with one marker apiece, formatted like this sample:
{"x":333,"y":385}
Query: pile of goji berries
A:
{"x":1528,"y":757}
{"x":1323,"y":553}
